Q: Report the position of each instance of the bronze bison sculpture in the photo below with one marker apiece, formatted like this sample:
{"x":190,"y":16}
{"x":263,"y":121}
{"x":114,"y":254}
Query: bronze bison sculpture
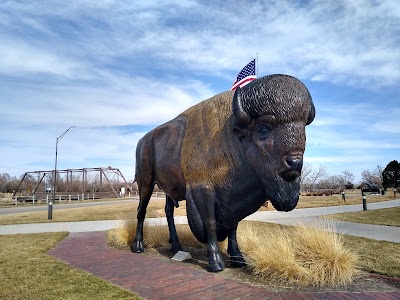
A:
{"x":226,"y":156}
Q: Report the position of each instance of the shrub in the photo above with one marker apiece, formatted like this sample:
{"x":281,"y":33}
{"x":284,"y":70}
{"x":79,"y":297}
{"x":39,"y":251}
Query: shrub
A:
{"x":303,"y":255}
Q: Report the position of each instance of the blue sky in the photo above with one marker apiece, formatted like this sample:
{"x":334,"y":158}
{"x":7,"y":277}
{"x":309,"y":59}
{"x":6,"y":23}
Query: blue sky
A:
{"x":116,"y":69}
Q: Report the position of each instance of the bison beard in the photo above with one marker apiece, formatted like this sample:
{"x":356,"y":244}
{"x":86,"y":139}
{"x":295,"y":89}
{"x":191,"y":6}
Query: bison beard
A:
{"x":225,"y":156}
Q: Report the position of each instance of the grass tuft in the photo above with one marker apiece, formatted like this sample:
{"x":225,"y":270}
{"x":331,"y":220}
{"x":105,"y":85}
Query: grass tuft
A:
{"x":323,"y":253}
{"x":303,"y":255}
{"x":124,"y":234}
{"x":270,"y":255}
{"x":154,"y":236}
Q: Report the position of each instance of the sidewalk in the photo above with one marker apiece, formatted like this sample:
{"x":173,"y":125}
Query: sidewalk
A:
{"x":309,"y":215}
{"x":83,"y":226}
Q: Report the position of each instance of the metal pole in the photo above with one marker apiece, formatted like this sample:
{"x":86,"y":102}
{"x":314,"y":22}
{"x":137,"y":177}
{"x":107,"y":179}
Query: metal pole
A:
{"x":50,"y":210}
{"x":364,"y":202}
{"x":257,"y":65}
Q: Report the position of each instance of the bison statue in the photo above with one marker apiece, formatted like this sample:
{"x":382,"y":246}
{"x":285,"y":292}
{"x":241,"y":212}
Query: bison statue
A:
{"x":226,"y":156}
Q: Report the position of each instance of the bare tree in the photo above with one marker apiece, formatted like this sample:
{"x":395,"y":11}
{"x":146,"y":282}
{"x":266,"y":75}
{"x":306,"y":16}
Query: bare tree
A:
{"x":310,"y":177}
{"x":348,"y":177}
{"x":374,"y":176}
{"x":305,"y":173}
{"x":7,"y":183}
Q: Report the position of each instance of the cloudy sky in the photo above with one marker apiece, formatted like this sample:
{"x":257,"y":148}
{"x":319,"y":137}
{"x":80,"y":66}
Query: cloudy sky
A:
{"x":117,"y":69}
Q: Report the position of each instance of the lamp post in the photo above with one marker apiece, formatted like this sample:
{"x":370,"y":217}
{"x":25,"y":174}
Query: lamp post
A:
{"x":50,"y":210}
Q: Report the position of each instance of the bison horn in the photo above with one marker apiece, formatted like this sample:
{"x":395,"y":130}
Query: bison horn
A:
{"x":237,"y":108}
{"x":311,"y":114}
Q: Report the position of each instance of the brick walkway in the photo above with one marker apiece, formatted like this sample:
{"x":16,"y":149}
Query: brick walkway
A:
{"x":158,"y":278}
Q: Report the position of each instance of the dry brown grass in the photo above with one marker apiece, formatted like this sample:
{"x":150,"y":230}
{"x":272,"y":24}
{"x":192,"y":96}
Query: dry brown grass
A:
{"x":325,"y":255}
{"x":302,"y":255}
{"x":154,"y":236}
{"x":270,"y":255}
{"x":102,"y":212}
{"x":124,"y":234}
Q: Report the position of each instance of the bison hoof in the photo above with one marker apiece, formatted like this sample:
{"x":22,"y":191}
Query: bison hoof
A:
{"x":237,"y":261}
{"x":176,"y":248}
{"x":216,"y":264}
{"x":137,"y":246}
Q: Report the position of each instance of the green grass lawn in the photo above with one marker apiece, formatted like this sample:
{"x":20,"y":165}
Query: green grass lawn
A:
{"x":384,"y":216}
{"x":28,"y":272}
{"x":375,"y":256}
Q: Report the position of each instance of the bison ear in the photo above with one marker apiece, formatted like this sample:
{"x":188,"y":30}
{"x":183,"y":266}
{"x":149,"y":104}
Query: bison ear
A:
{"x":241,"y":116}
{"x":311,"y":114}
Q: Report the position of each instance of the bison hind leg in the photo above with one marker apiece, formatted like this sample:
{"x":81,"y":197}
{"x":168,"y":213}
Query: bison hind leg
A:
{"x":235,"y":256}
{"x":173,"y":236}
{"x":145,"y":192}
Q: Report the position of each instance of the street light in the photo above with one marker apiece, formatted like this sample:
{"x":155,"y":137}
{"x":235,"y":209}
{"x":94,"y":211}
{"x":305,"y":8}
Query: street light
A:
{"x":50,"y":212}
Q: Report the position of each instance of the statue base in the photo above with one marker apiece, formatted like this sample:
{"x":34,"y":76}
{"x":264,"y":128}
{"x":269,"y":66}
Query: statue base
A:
{"x":181,"y":256}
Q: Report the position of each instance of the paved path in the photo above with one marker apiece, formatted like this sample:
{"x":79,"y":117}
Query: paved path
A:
{"x":162,"y":278}
{"x":83,"y":226}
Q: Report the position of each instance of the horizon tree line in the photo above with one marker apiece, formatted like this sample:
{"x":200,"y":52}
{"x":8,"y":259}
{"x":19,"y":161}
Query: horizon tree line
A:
{"x":311,"y":179}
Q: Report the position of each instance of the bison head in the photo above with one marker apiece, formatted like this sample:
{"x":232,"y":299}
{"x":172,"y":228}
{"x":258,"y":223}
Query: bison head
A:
{"x":270,"y":115}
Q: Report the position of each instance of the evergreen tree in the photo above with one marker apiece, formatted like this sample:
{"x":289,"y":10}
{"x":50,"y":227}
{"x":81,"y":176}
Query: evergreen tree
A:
{"x":391,"y":175}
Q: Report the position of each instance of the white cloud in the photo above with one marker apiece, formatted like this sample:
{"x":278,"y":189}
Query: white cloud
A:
{"x":104,"y":64}
{"x":335,"y":41}
{"x":19,"y":57}
{"x":127,"y":101}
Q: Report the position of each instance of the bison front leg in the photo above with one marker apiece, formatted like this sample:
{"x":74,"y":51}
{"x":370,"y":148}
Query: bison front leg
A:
{"x":235,"y":256}
{"x":204,"y":199}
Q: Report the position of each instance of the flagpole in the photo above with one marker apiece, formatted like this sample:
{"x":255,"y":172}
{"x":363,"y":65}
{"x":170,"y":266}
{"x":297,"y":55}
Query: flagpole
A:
{"x":257,"y":64}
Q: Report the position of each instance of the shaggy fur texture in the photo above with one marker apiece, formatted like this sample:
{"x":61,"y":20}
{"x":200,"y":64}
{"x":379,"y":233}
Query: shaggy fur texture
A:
{"x":207,"y":155}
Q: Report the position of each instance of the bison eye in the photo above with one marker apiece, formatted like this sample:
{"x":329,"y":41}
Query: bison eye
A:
{"x":262,"y":131}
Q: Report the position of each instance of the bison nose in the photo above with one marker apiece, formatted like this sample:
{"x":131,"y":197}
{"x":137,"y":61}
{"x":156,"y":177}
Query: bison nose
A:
{"x":293,"y":168}
{"x":294,"y":164}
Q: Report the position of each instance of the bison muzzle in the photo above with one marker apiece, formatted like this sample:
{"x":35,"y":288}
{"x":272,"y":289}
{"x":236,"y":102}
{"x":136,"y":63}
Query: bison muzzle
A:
{"x":226,"y":156}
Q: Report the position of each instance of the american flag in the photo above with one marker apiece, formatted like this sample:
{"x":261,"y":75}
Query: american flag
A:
{"x":245,"y":76}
